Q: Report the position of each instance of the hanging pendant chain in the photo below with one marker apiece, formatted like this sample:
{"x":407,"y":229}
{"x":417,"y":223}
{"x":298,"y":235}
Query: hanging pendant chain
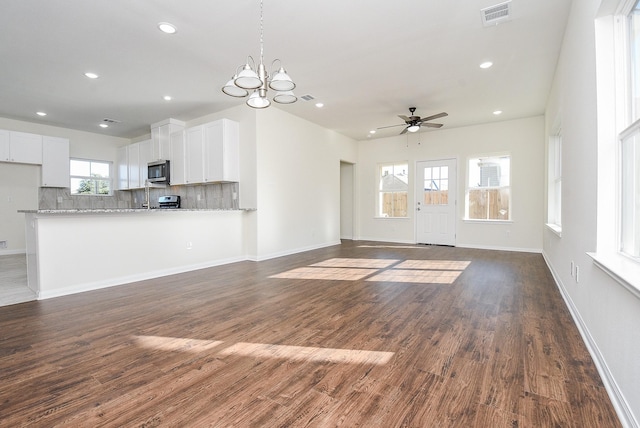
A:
{"x":261,"y":35}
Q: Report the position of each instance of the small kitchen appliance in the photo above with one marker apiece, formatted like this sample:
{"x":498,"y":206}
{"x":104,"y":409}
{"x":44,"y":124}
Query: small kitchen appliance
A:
{"x":169,"y":201}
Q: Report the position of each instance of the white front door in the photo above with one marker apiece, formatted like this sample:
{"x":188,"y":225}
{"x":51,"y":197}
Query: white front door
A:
{"x":436,"y":202}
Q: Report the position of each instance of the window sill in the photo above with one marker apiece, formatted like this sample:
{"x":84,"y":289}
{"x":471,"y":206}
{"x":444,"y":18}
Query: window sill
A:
{"x":555,"y":228}
{"x":624,"y":270}
{"x":390,"y":218}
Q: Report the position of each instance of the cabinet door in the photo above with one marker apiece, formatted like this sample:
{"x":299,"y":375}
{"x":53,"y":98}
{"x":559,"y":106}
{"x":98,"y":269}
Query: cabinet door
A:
{"x":25,"y":147}
{"x":123,"y":168}
{"x":145,"y":155}
{"x":194,"y":164}
{"x":133,"y":161}
{"x":213,"y":149}
{"x":4,"y":146}
{"x":55,"y":162}
{"x":221,"y":151}
{"x":177,"y":157}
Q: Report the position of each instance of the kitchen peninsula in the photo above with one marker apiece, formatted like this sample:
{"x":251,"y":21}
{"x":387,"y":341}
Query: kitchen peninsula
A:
{"x":75,"y":250}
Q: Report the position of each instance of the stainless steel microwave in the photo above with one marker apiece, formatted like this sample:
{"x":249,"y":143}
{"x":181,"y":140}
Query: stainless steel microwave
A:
{"x":158,"y":171}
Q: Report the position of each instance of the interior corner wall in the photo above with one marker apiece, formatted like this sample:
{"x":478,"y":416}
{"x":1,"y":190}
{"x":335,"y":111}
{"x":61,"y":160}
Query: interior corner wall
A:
{"x":19,"y":183}
{"x":523,"y":139}
{"x":606,"y":312}
{"x":298,"y":183}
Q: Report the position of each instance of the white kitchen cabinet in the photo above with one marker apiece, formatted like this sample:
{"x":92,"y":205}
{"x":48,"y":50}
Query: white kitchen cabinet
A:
{"x":122,"y":162}
{"x":221,"y":151}
{"x":194,"y":162}
{"x":145,"y":155}
{"x":5,"y":155}
{"x":177,"y":158}
{"x":133,"y":162}
{"x":21,"y":148}
{"x":55,"y":162}
{"x":212,"y":152}
{"x":161,"y":138}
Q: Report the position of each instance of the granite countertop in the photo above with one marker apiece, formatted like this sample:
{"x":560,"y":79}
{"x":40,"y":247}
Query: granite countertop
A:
{"x":128,"y":210}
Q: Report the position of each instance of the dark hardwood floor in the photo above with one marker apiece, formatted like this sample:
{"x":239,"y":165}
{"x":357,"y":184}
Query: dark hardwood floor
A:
{"x":362,"y":334}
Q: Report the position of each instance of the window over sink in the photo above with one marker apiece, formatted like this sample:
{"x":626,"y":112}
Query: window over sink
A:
{"x":90,"y":177}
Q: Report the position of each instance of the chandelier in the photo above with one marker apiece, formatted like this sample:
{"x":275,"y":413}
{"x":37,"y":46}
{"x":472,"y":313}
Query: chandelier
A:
{"x":259,"y":82}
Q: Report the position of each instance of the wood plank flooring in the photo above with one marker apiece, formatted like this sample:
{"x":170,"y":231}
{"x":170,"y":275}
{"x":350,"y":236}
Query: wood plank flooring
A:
{"x":361,"y":334}
{"x":13,"y":280}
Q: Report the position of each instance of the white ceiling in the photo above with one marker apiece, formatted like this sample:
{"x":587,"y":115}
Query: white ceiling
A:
{"x":366,"y":60}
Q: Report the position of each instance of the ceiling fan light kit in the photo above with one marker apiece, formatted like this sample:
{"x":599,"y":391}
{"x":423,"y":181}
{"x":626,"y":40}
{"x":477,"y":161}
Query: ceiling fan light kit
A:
{"x":259,"y":82}
{"x":413,"y":122}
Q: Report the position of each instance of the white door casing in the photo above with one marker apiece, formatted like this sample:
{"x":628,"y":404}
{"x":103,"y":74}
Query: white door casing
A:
{"x":436,"y":202}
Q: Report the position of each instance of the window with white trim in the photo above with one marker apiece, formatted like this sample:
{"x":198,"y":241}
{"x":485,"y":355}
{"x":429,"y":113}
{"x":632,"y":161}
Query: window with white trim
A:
{"x":630,"y":146}
{"x":488,"y":195}
{"x":90,"y":177}
{"x":393,"y":187}
{"x":554,"y":182}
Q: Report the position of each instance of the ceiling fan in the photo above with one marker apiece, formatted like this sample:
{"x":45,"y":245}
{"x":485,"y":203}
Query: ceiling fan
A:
{"x":413,"y":122}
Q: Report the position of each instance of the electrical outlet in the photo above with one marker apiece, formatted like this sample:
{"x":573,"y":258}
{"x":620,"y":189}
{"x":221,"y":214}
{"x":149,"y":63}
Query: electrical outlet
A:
{"x":189,"y":245}
{"x":577,"y":274}
{"x":59,"y":199}
{"x":571,"y":267}
{"x":198,"y":197}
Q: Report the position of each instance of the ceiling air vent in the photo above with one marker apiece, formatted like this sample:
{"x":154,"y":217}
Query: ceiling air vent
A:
{"x":496,"y":14}
{"x":307,"y":97}
{"x":110,"y":121}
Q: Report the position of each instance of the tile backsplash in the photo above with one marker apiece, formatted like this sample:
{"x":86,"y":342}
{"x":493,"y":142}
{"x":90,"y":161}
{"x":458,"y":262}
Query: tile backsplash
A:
{"x":200,"y":196}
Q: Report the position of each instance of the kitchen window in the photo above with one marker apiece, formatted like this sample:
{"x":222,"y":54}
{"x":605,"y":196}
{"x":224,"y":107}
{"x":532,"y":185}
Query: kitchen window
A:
{"x":488,"y":195}
{"x":393,"y":186}
{"x":90,"y":177}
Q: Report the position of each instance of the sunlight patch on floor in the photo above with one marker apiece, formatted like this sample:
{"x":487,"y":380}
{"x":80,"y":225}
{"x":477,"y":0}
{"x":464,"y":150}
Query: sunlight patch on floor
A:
{"x":308,"y":353}
{"x":417,"y":276}
{"x":265,"y":350}
{"x":434,"y":264}
{"x":175,"y":343}
{"x":336,"y":274}
{"x":356,"y":263}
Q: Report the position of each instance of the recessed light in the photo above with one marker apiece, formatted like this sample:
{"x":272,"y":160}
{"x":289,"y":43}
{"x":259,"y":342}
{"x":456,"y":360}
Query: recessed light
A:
{"x":167,"y":27}
{"x":167,"y":98}
{"x":373,"y":131}
{"x":319,"y":105}
{"x":103,"y":125}
{"x":497,"y":112}
{"x":486,"y":64}
{"x":41,"y":113}
{"x":91,"y":75}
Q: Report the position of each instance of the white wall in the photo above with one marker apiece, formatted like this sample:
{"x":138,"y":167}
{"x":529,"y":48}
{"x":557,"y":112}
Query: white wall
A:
{"x":89,"y":251}
{"x":607,"y":314}
{"x":18,"y":191}
{"x":298,"y":183}
{"x":522,"y":138}
{"x":19,"y":183}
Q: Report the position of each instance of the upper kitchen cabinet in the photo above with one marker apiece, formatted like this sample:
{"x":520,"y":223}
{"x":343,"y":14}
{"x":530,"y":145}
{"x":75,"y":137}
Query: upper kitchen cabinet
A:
{"x":145,"y":155}
{"x":122,"y":160}
{"x":177,"y":158}
{"x":20,"y":147}
{"x":55,"y":162}
{"x":161,"y":138}
{"x":222,"y":151}
{"x":212,"y":152}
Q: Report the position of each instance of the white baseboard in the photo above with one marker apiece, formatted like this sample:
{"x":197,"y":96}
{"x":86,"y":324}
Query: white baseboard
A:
{"x":5,"y":252}
{"x":113,"y":282}
{"x":498,"y":248}
{"x":620,"y":404}
{"x":293,"y":251}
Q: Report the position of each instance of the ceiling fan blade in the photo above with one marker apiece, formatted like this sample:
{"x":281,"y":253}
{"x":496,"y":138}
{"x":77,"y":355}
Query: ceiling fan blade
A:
{"x":392,"y":126}
{"x":404,"y":131}
{"x":403,"y":117}
{"x":435,"y":116}
{"x":431,"y":125}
